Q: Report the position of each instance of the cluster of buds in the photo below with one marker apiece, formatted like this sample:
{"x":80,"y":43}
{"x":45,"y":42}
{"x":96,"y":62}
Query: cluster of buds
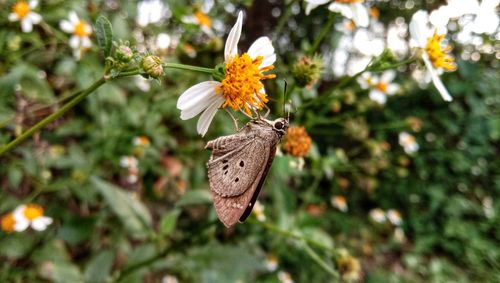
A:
{"x":307,"y":71}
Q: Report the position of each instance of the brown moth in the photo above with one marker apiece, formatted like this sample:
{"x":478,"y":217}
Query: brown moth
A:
{"x":239,"y":165}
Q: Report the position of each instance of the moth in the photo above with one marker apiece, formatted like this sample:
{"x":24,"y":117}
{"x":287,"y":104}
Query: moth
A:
{"x":239,"y":165}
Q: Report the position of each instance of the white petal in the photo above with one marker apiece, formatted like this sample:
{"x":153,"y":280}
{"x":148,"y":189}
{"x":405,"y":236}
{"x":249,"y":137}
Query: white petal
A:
{"x":77,"y":53}
{"x":388,"y":76}
{"x":87,"y":29}
{"x":378,"y":96}
{"x":344,"y":9}
{"x":231,"y":48}
{"x":207,"y":116}
{"x":392,"y":89}
{"x":13,"y":17}
{"x":35,"y":18}
{"x":74,"y":42}
{"x":86,"y":43}
{"x":436,"y":80}
{"x":360,"y":15}
{"x":73,"y":18}
{"x":196,"y":94}
{"x":41,"y":223}
{"x":263,"y":47}
{"x":33,"y":4}
{"x":67,"y":26}
{"x":26,"y":25}
{"x":18,"y":213}
{"x":196,"y":109}
{"x":419,"y":30}
{"x":21,"y":225}
{"x":312,"y":4}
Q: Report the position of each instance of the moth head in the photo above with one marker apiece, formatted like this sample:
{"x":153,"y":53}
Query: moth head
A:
{"x":280,"y":125}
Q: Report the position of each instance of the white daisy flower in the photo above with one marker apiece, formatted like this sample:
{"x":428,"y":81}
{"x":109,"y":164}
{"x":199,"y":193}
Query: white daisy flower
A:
{"x":434,"y":55}
{"x":80,"y":41}
{"x":241,"y":88}
{"x":285,"y":277}
{"x":129,"y":162}
{"x":351,"y":9}
{"x":339,"y":202}
{"x":258,"y":210}
{"x":141,"y":141}
{"x":151,"y":12}
{"x":408,"y":143}
{"x":271,"y":263}
{"x":22,"y":12}
{"x":30,"y":215}
{"x":201,"y":19}
{"x":382,"y":87}
{"x":394,"y":217}
{"x":378,"y":215}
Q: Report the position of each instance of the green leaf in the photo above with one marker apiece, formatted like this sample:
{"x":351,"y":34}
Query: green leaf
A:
{"x":65,"y":272}
{"x":168,"y":222}
{"x":104,"y":34}
{"x":133,"y":214}
{"x":99,"y":267}
{"x":195,"y":197}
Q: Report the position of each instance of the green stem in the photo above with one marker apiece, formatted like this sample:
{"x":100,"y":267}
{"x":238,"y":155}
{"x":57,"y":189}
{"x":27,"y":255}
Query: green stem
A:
{"x":283,"y":19}
{"x":188,"y":67}
{"x":52,"y":116}
{"x":316,"y":258}
{"x":326,"y":28}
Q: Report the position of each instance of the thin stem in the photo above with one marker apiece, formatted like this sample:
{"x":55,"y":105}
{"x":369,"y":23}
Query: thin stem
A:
{"x":283,"y":19}
{"x":188,"y":67}
{"x":52,"y":116}
{"x":324,"y":31}
{"x":316,"y":258}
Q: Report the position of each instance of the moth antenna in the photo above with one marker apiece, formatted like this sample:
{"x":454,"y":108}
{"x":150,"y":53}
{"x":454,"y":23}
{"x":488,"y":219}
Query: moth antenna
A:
{"x":289,"y":110}
{"x":284,"y":97}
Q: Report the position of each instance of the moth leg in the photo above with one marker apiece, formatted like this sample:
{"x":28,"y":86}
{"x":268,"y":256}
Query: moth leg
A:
{"x":244,"y":113}
{"x":234,"y":120}
{"x":267,"y":112}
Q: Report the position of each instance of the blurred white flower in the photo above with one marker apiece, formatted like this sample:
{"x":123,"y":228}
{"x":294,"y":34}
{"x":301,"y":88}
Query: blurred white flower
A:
{"x":22,"y":11}
{"x":339,"y":202}
{"x":201,"y":19}
{"x":297,"y":163}
{"x":133,"y":175}
{"x":80,"y":40}
{"x":399,"y":234}
{"x":434,"y":55}
{"x":383,"y":86}
{"x":271,"y":263}
{"x":162,"y":41}
{"x":128,"y":162}
{"x":396,"y":38}
{"x":27,"y":215}
{"x":367,"y":43}
{"x":377,"y":215}
{"x":241,"y":88}
{"x":351,"y":9}
{"x":142,"y":83}
{"x":487,"y":19}
{"x":141,"y":141}
{"x":394,"y":217}
{"x":258,"y":210}
{"x":169,"y":279}
{"x":408,"y":142}
{"x":285,"y":277}
{"x":150,"y":12}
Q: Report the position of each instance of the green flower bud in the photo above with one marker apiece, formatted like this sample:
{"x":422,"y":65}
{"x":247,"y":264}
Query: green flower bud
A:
{"x":307,"y":71}
{"x":124,"y":53}
{"x":152,"y":66}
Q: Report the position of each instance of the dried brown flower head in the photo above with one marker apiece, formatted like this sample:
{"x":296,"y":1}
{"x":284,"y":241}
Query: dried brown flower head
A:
{"x":297,"y":142}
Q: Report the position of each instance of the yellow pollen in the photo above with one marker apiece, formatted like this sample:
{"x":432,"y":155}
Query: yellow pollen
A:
{"x":242,"y":86}
{"x":33,"y":211}
{"x":21,"y":9}
{"x":7,"y":223}
{"x":80,"y":29}
{"x":381,"y":86}
{"x":439,"y":55}
{"x":349,"y":1}
{"x":203,"y":19}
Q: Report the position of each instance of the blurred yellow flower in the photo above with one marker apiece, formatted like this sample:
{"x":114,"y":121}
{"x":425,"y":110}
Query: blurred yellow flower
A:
{"x":7,"y":222}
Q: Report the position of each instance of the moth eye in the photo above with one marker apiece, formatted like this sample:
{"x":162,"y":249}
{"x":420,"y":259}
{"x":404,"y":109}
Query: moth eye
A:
{"x":278,"y":125}
{"x":236,"y":180}
{"x":242,"y":163}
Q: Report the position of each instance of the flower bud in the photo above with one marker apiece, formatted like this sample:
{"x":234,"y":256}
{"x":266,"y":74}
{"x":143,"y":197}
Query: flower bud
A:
{"x":124,"y":53}
{"x":152,"y":66}
{"x":306,"y":71}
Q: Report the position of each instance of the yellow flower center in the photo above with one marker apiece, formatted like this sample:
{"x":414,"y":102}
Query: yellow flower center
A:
{"x":242,"y":86}
{"x":297,"y":141}
{"x":408,"y":140}
{"x":438,"y":54}
{"x":33,"y":211}
{"x":21,"y":8}
{"x":203,"y":19}
{"x":80,"y":29}
{"x":8,"y":222}
{"x":381,"y":86}
{"x":349,"y":1}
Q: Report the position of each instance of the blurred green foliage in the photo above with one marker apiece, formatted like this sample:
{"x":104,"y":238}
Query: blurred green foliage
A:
{"x":107,"y":229}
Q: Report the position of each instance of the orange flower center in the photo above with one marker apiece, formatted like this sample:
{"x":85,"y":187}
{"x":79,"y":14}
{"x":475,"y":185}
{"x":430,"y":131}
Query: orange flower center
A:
{"x":242,"y":86}
{"x":408,"y":140}
{"x":142,"y":140}
{"x":8,"y":222}
{"x":203,"y":19}
{"x":21,"y":8}
{"x":349,"y":1}
{"x":438,"y":54}
{"x":80,"y":29}
{"x":381,"y":86}
{"x":33,"y":211}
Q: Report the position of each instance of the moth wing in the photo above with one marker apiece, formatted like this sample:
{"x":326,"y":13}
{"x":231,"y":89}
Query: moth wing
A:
{"x":233,"y":170}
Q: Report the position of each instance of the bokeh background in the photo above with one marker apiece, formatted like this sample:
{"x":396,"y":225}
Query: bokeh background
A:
{"x":357,"y":205}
